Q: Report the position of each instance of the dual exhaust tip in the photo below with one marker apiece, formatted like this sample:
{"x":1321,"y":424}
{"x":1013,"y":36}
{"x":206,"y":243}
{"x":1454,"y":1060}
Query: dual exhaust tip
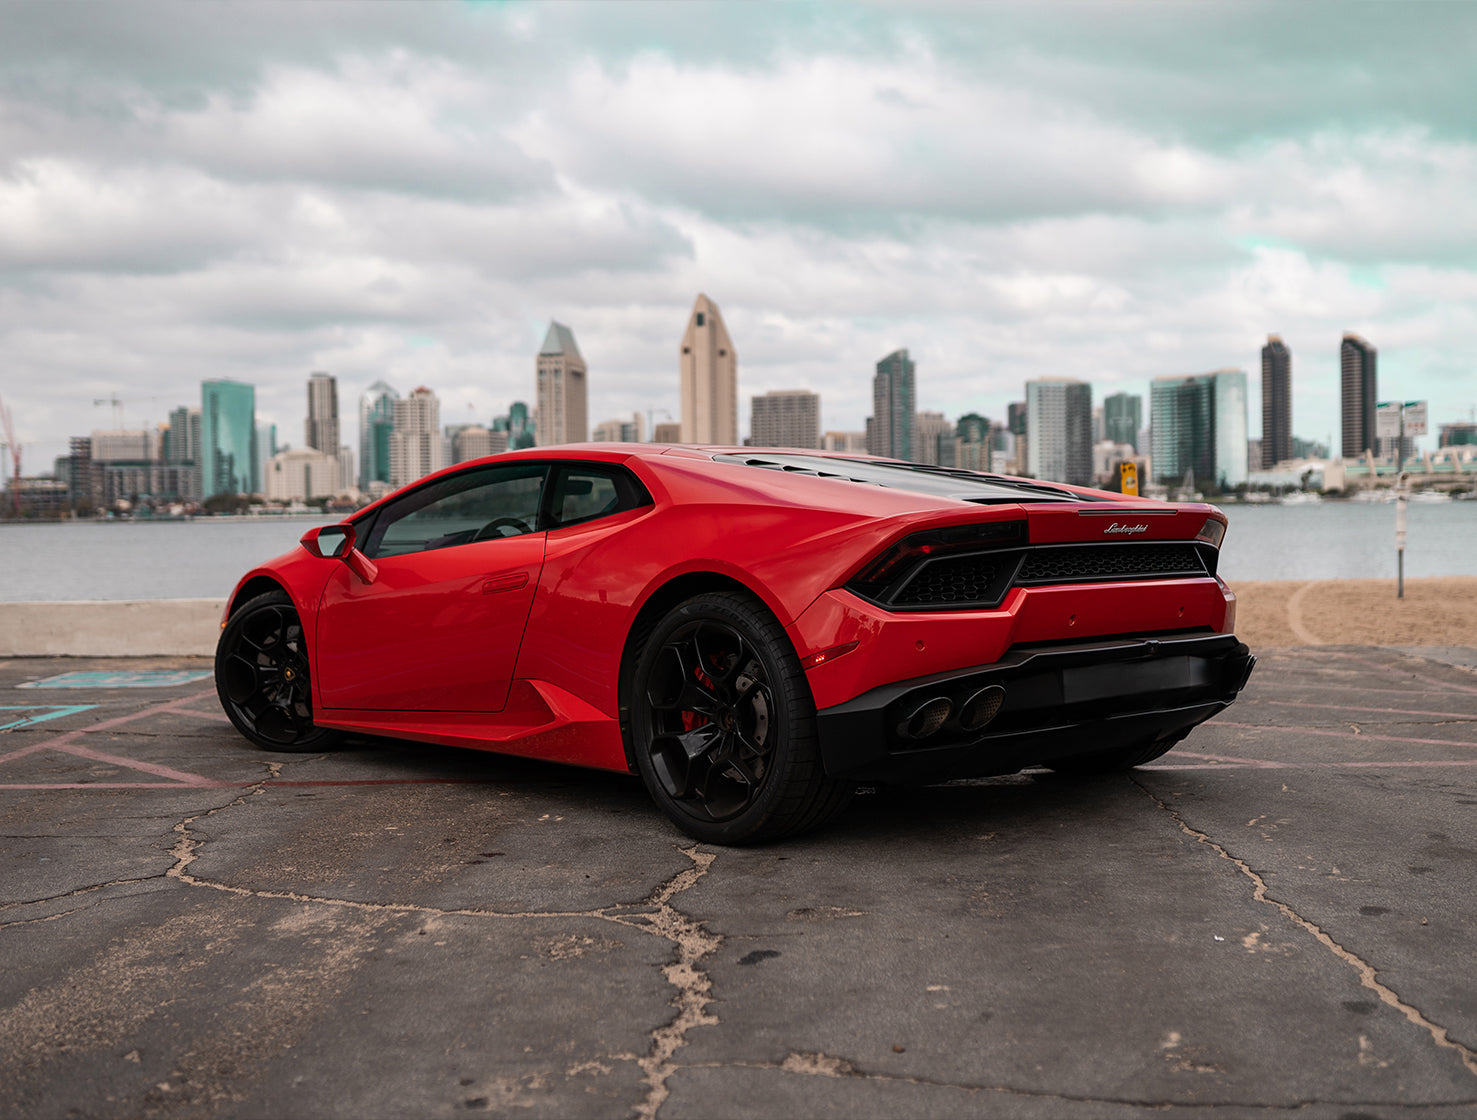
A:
{"x":926,"y":719}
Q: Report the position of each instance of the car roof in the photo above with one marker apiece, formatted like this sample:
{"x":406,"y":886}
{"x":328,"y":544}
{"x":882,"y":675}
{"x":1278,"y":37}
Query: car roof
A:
{"x":894,"y":474}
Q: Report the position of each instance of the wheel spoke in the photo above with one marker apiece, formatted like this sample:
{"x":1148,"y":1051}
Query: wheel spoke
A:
{"x":709,"y":708}
{"x":265,"y":676}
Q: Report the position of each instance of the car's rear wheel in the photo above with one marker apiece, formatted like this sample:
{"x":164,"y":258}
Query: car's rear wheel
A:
{"x":1113,"y":761}
{"x":262,"y":676}
{"x":723,"y":725}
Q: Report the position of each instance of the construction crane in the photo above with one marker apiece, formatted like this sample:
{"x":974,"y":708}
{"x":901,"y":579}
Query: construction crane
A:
{"x":117,"y":409}
{"x":15,"y":460}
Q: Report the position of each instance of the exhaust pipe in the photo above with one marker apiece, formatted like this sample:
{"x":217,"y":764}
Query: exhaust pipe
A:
{"x":981,"y":708}
{"x":925,"y":719}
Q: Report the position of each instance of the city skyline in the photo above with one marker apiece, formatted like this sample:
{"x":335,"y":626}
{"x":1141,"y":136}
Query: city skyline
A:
{"x":408,"y":195}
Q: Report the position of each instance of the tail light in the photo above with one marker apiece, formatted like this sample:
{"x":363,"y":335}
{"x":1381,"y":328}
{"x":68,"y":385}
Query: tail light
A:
{"x":895,"y":565}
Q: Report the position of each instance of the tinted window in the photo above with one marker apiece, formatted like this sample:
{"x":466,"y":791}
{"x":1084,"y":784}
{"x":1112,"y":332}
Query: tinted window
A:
{"x":478,"y":505}
{"x":583,"y":493}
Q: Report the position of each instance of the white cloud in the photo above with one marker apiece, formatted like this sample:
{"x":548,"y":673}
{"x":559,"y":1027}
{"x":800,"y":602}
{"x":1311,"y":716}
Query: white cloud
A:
{"x":413,"y":198}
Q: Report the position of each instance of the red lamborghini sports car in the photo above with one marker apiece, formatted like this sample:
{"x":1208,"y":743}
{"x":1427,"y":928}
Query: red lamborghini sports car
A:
{"x":754,"y":632}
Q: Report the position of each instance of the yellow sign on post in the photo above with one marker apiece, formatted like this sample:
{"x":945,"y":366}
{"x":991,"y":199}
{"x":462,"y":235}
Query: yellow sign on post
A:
{"x":1128,"y":479}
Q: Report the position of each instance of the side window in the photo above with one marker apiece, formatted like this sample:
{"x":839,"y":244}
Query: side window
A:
{"x":478,"y":505}
{"x":583,"y":493}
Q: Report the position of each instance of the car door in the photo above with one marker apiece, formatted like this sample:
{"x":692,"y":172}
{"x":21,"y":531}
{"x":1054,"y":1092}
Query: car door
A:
{"x":438,"y":629}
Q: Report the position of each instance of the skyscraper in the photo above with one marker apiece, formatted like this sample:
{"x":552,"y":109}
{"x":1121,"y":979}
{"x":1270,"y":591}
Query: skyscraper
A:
{"x":562,"y":392}
{"x":1123,"y":416}
{"x":1357,"y":396}
{"x":1059,"y":418}
{"x":933,"y":439}
{"x":376,"y":421}
{"x":227,"y":438}
{"x":1199,"y":426}
{"x":709,"y":367}
{"x":785,"y":418}
{"x":321,"y":427}
{"x":972,"y":442}
{"x":416,"y":446}
{"x":1276,"y":402}
{"x":890,"y":427}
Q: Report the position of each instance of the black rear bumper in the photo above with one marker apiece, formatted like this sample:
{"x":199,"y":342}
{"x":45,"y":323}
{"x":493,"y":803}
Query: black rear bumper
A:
{"x":1055,"y":702}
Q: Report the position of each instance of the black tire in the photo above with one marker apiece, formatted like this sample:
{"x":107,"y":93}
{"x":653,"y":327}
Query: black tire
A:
{"x":1116,"y":760}
{"x":723,"y":725}
{"x":261,"y":677}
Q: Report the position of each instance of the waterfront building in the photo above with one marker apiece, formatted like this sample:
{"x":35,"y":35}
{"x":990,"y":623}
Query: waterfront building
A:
{"x":181,"y":442}
{"x":228,"y":449}
{"x":1016,"y":423}
{"x":933,"y":439}
{"x":785,"y":418}
{"x":1106,"y":457}
{"x":1059,"y":418}
{"x":972,"y":442}
{"x":890,"y":427}
{"x":472,"y":441}
{"x":709,"y":378}
{"x":621,"y":431}
{"x":135,"y":445}
{"x":1199,"y":427}
{"x":1357,"y":396}
{"x":321,"y":428}
{"x":266,"y":447}
{"x":1276,"y":402}
{"x":1457,"y":435}
{"x":850,"y":443}
{"x":562,"y":389}
{"x":376,"y":422}
{"x":1123,"y":416}
{"x":416,"y":445}
{"x":301,"y":475}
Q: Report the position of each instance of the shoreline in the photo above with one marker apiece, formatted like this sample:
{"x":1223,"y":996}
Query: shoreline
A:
{"x":1435,"y":612}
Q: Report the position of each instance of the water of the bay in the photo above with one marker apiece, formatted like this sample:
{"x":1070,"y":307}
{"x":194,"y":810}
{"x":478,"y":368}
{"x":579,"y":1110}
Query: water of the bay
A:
{"x":202,"y":559}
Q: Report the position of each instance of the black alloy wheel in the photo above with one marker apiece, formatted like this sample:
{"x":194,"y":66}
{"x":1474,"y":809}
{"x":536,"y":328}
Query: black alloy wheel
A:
{"x":723,"y":725}
{"x":262,"y":677}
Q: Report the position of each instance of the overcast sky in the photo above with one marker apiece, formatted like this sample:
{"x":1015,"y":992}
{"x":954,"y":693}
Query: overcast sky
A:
{"x":410,"y":192}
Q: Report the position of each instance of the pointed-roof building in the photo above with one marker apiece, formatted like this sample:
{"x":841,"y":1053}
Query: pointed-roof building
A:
{"x":709,"y":378}
{"x":563,"y":413}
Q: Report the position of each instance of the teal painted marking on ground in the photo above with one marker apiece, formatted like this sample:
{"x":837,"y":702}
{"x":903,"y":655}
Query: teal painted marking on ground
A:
{"x":46,"y":712}
{"x":140,"y":678}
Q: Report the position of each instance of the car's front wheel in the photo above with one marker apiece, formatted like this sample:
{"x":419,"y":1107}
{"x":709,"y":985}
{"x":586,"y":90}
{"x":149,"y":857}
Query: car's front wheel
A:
{"x":262,"y":678}
{"x":723,"y":725}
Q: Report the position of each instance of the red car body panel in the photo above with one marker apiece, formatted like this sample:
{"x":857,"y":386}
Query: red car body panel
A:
{"x":518,"y":644}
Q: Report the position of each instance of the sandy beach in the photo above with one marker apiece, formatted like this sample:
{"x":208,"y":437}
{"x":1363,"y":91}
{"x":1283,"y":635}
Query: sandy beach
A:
{"x":1434,"y":612}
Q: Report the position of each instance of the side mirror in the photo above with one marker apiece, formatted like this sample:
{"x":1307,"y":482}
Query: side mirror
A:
{"x":336,"y":542}
{"x":329,"y":542}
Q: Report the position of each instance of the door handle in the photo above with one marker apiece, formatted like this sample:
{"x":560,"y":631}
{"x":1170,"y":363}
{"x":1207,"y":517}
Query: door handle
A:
{"x":512,"y":581}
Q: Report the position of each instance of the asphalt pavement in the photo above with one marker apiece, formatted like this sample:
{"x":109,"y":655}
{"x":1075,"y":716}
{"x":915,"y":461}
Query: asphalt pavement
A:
{"x":1276,"y":919}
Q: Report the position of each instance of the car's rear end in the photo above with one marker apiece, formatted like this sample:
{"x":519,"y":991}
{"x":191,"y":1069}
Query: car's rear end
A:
{"x":1065,"y":629}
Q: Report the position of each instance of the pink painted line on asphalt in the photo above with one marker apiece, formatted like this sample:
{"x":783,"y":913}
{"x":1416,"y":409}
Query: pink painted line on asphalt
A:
{"x":57,"y":741}
{"x":1259,"y":685}
{"x":206,"y":783}
{"x":67,"y":743}
{"x":1342,"y":734}
{"x":1386,"y":711}
{"x":1445,"y":686}
{"x":1257,"y":764}
{"x":133,"y":764}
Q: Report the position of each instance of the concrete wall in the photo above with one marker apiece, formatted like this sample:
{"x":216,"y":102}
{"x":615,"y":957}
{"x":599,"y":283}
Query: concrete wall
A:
{"x":145,"y":628}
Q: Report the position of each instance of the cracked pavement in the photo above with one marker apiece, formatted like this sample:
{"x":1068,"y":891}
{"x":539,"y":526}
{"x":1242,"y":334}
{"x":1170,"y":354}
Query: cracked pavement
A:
{"x":1276,"y":918}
